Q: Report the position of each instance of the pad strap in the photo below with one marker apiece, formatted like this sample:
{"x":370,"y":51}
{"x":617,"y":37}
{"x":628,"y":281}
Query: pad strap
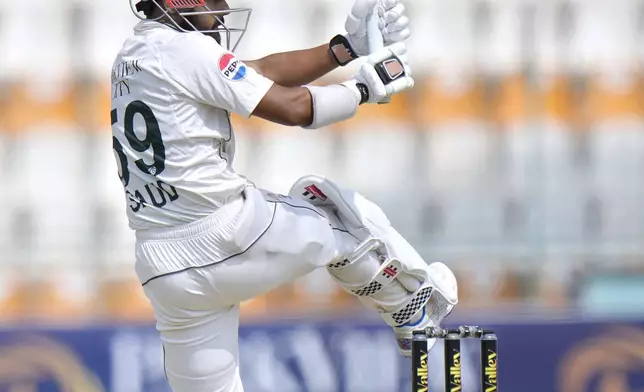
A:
{"x":385,"y":276}
{"x":415,"y":303}
{"x":361,"y":251}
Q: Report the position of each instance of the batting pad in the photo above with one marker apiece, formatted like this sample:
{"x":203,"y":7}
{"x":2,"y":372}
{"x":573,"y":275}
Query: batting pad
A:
{"x":384,"y":270}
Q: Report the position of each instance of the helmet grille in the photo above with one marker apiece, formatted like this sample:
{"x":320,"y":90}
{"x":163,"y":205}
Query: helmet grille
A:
{"x":178,"y":4}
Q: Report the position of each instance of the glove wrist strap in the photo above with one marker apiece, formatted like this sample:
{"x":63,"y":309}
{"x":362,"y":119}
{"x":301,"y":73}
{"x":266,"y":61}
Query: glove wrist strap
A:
{"x":390,"y":70}
{"x":341,"y":50}
{"x":364,"y":92}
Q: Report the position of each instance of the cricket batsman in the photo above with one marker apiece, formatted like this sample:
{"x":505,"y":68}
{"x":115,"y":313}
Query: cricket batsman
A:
{"x":206,"y":237}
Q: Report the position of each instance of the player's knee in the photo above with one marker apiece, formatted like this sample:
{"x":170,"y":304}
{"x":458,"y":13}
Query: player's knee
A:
{"x":322,"y":243}
{"x":309,"y":235}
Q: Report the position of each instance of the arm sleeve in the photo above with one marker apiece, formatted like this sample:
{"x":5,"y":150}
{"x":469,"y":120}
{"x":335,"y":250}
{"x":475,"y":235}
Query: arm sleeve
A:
{"x":208,"y":73}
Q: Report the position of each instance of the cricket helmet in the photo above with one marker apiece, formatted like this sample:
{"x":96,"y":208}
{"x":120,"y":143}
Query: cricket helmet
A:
{"x":178,"y":11}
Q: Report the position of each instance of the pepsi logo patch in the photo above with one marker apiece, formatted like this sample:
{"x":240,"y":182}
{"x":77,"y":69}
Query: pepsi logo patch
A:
{"x":231,"y":68}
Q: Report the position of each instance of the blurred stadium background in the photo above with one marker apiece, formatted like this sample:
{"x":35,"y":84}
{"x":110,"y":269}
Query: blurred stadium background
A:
{"x":518,"y":160}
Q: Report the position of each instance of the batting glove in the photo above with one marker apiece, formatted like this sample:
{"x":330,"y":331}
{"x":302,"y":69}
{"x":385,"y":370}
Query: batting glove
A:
{"x":385,"y":73}
{"x":392,"y":21}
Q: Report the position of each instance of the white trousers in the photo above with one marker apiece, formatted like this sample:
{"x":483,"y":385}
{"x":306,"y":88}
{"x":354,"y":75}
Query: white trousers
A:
{"x":195,"y":276}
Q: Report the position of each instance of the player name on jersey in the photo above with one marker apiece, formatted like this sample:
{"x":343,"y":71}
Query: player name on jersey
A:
{"x":157,"y":194}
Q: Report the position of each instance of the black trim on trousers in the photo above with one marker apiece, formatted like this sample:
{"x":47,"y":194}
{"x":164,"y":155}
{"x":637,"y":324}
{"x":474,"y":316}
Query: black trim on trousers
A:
{"x":317,"y":212}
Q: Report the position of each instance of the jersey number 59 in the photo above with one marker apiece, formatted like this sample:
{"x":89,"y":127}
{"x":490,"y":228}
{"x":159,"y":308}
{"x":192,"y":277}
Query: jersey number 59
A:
{"x":151,"y":141}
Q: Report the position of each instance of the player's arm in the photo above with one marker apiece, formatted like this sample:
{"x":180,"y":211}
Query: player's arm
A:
{"x":291,"y":106}
{"x":297,"y":68}
{"x":383,"y":74}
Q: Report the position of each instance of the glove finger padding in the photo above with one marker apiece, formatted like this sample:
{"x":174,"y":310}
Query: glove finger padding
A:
{"x":394,"y":14}
{"x":355,"y":23}
{"x":389,"y":4}
{"x":396,"y":26}
{"x":399,"y":85}
{"x":397,"y":36}
{"x":393,"y":23}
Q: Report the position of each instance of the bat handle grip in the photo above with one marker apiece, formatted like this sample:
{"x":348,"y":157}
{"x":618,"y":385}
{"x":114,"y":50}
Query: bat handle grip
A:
{"x":374,"y":38}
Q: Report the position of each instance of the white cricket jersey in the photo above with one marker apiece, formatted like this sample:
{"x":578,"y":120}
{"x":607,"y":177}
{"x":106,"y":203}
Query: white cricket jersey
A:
{"x":172,"y":94}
